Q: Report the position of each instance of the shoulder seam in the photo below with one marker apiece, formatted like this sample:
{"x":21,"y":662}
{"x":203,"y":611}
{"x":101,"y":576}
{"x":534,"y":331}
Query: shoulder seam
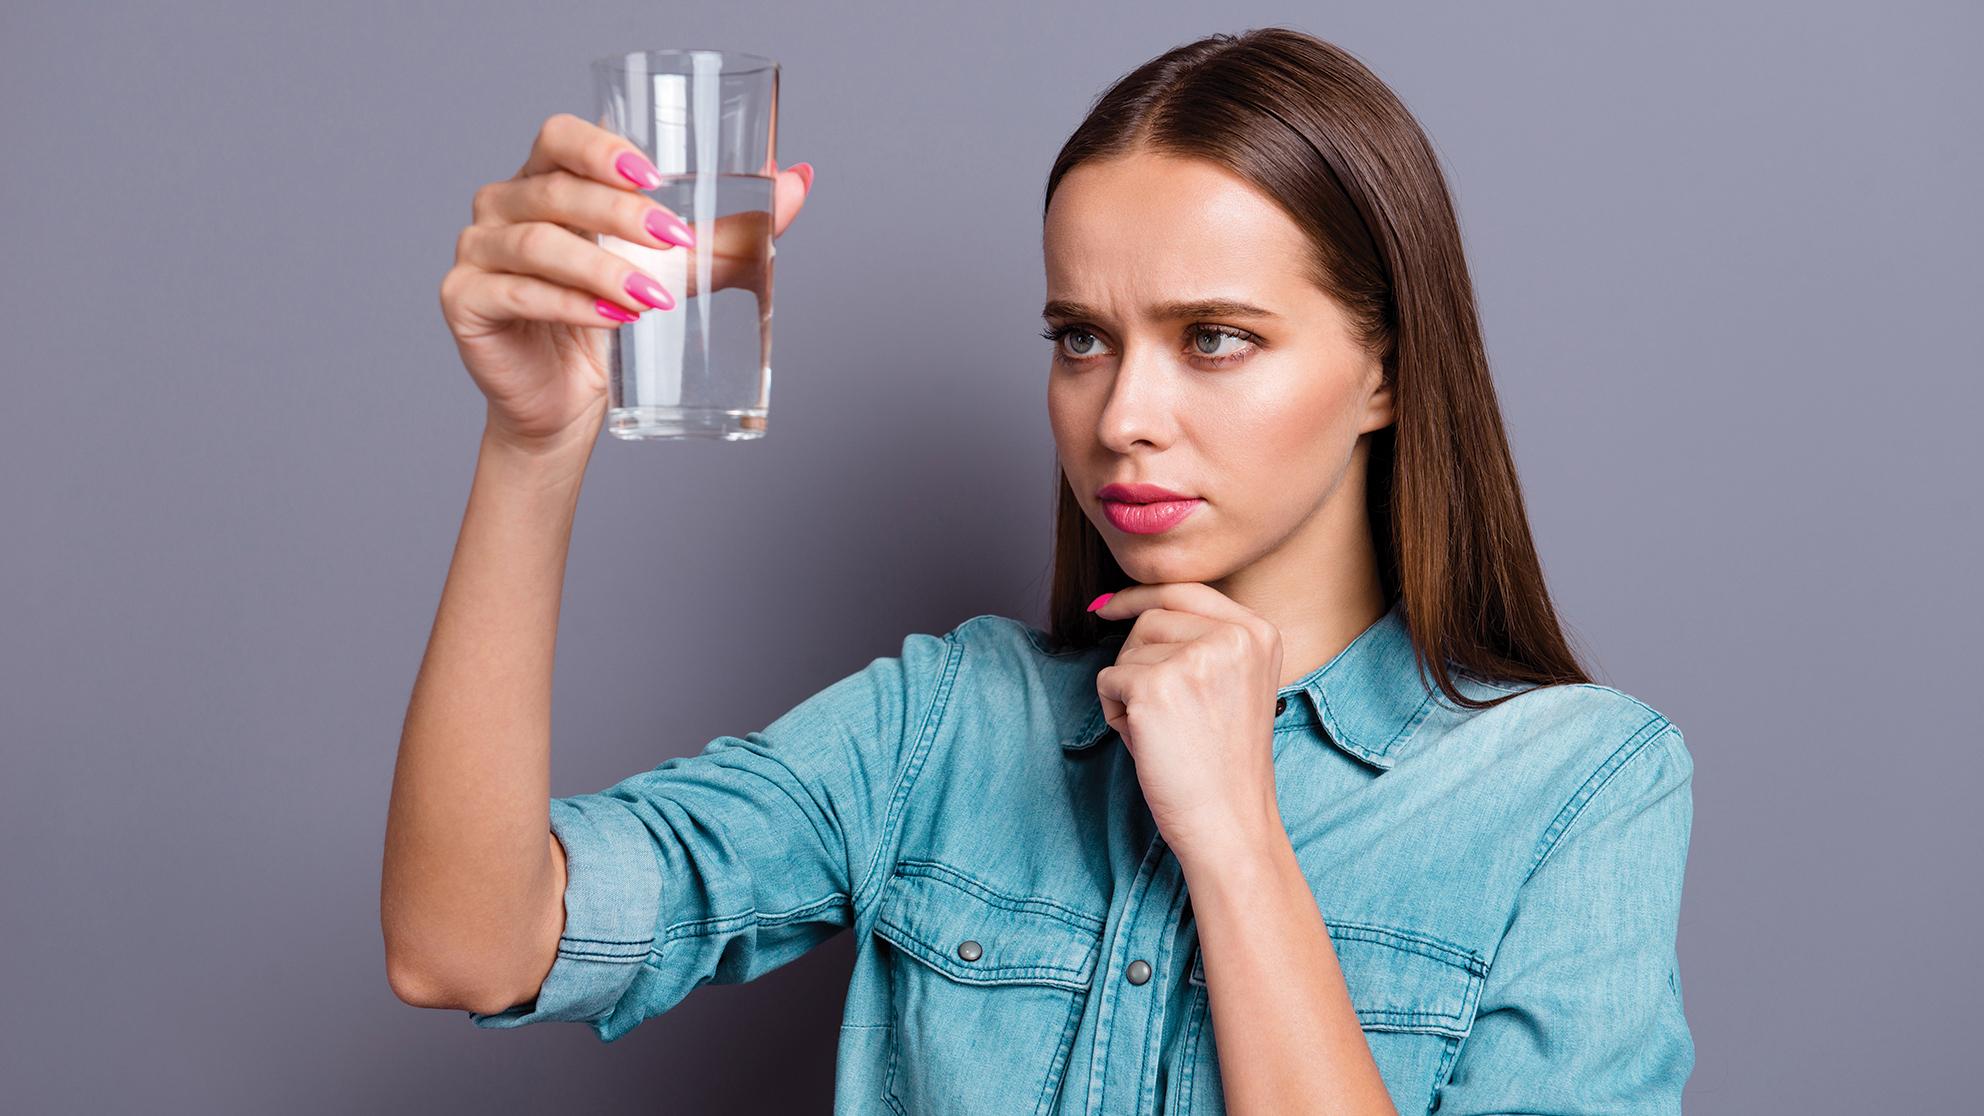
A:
{"x":932,"y":717}
{"x":1635,"y":744}
{"x":1617,"y":692}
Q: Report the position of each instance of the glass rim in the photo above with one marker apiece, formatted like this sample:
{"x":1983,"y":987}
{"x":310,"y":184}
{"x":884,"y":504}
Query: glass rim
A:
{"x":618,"y":62}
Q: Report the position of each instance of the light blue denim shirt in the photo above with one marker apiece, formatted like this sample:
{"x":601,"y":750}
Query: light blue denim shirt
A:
{"x":1502,"y":887}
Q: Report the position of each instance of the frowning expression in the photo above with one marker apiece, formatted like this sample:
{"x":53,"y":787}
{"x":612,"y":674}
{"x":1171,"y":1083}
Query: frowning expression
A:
{"x":1193,"y":350}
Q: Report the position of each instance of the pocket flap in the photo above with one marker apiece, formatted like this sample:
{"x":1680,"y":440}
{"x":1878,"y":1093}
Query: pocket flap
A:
{"x":1400,"y":980}
{"x":929,"y":911}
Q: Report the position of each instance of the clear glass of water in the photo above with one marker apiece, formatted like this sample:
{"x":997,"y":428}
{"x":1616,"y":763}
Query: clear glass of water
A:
{"x":708,"y":120}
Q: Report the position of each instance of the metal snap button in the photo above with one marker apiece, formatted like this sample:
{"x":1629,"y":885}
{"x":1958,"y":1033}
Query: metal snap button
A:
{"x":969,"y":950}
{"x":1280,"y":706}
{"x":1138,"y":972}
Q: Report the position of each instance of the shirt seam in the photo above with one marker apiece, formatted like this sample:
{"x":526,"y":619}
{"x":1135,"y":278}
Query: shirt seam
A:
{"x":1635,"y":745}
{"x":932,"y":720}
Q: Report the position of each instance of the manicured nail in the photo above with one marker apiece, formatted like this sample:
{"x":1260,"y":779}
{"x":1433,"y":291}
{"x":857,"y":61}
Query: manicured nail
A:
{"x":667,"y":226}
{"x":1100,"y":601}
{"x":636,"y":169}
{"x":647,"y":290}
{"x":805,"y":171}
{"x":618,"y":314}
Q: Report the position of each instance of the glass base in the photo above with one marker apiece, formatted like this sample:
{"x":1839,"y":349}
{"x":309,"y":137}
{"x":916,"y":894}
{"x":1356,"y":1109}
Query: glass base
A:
{"x":636,"y":424}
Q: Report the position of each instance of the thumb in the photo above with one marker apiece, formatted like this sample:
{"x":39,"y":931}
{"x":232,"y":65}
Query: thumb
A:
{"x":789,"y":189}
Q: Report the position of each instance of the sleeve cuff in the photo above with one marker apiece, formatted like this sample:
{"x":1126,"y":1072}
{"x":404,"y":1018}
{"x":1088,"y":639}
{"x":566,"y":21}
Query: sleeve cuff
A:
{"x":612,"y":904}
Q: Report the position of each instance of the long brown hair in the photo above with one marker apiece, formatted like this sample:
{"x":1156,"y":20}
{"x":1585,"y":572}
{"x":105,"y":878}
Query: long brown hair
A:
{"x":1310,"y":126}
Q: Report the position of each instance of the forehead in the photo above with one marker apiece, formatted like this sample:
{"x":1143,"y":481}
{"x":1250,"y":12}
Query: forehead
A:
{"x":1154,"y":224}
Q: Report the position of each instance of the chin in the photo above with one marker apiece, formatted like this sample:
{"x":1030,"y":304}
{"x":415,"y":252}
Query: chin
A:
{"x":1150,"y":559}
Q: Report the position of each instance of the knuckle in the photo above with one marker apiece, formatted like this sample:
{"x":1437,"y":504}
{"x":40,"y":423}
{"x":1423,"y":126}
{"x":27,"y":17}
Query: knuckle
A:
{"x":560,"y":190}
{"x":514,"y":297}
{"x":465,"y":241}
{"x":534,"y":239}
{"x":541,"y":190}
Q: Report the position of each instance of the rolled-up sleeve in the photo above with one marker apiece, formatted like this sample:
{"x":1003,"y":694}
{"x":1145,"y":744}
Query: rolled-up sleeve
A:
{"x":722,"y":866}
{"x":1581,"y":1009}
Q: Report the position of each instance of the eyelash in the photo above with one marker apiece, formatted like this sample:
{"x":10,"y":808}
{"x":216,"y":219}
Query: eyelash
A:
{"x":1056,"y":333}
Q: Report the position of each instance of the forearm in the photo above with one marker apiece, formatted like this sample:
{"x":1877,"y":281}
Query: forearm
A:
{"x":468,"y":858}
{"x":1288,"y":1038}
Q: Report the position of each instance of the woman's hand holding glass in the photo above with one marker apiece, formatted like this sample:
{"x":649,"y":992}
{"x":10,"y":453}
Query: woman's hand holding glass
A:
{"x":532,"y":294}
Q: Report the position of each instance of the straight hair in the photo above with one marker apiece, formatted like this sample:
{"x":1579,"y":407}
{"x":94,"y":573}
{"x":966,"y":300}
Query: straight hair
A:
{"x":1311,"y":127}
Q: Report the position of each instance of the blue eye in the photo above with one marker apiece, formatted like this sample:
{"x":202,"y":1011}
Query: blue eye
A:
{"x":1194,"y":348}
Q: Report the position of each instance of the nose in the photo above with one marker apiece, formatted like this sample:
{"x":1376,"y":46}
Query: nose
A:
{"x":1140,"y":405}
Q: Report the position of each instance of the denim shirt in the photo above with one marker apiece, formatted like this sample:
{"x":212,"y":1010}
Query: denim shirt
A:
{"x":1502,"y":887}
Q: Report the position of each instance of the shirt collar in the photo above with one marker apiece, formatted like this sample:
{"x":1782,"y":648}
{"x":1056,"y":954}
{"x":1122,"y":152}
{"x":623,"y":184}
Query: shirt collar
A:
{"x":1369,"y":698}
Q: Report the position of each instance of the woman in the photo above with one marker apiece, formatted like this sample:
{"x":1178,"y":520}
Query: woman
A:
{"x":1304,"y":761}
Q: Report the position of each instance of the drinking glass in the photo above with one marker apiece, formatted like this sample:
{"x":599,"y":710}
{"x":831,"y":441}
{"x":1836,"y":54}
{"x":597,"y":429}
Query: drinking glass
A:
{"x":708,"y":120}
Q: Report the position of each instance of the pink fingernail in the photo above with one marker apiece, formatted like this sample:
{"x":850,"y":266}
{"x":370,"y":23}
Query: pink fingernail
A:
{"x":667,"y":226}
{"x":805,"y":171}
{"x":647,"y":290}
{"x":1100,"y":601}
{"x":617,"y":313}
{"x":636,"y":169}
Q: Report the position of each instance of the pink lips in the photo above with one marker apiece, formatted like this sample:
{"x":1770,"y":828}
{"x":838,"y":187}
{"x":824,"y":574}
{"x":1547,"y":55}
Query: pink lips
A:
{"x":1148,"y":519}
{"x":1145,"y":509}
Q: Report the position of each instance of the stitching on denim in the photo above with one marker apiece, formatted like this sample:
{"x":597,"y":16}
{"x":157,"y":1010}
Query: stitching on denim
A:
{"x":1195,"y":1024}
{"x":718,"y":924}
{"x":932,"y":722}
{"x":925,"y":954}
{"x":1446,"y":1067}
{"x":889,"y":1082}
{"x":1625,"y":753}
{"x":649,"y":940}
{"x":1028,"y":904}
{"x":1058,"y":1067}
{"x":1152,"y":1028}
{"x":1410,"y":726}
{"x":808,"y":806}
{"x":587,"y":955}
{"x":1411,"y":941}
{"x":1616,"y":692}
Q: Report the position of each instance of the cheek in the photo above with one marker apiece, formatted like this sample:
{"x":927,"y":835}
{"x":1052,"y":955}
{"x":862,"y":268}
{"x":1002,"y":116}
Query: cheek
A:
{"x":1283,"y":440}
{"x":1070,"y":420}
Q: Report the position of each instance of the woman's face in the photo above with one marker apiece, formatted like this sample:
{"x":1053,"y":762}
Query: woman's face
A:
{"x":1255,"y":413}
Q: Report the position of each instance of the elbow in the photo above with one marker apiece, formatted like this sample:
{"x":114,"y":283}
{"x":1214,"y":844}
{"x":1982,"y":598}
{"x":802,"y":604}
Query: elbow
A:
{"x":419,"y":987}
{"x":413,"y":986}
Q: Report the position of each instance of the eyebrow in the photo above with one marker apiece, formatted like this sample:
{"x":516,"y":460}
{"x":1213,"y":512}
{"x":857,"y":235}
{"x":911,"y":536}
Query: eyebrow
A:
{"x":1165,"y":311}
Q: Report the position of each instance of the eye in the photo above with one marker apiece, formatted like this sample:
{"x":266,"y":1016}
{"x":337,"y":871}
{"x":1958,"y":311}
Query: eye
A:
{"x":1218,"y":335}
{"x":1197,"y":346}
{"x":1057,"y":333}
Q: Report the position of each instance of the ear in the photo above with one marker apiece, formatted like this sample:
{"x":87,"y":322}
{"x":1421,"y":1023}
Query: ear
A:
{"x":1379,"y":409}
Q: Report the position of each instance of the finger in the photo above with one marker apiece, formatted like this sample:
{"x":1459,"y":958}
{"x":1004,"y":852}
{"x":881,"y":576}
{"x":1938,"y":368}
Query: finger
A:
{"x":491,"y":298}
{"x":1146,"y":654}
{"x":556,"y":254}
{"x":1169,"y":625}
{"x":1185,"y":596}
{"x":789,"y":190}
{"x":590,"y":151}
{"x":1117,"y":685}
{"x":584,"y":206}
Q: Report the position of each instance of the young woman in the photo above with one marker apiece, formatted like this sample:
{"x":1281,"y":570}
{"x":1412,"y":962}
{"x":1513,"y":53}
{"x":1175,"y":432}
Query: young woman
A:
{"x":1301,"y":804}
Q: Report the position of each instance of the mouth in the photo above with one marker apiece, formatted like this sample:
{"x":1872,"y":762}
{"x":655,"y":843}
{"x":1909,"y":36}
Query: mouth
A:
{"x":1148,"y":517}
{"x":1138,"y":494}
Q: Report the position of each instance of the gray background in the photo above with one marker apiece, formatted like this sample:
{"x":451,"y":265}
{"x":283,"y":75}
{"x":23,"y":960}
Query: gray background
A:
{"x":1727,"y":258}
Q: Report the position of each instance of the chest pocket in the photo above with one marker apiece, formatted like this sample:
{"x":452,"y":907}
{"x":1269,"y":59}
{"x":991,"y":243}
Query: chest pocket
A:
{"x":1415,"y":997}
{"x":987,"y":989}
